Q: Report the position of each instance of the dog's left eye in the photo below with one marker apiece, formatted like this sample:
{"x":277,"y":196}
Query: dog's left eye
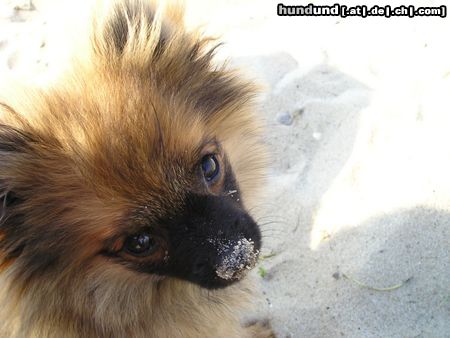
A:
{"x":140,"y":244}
{"x":210,"y":167}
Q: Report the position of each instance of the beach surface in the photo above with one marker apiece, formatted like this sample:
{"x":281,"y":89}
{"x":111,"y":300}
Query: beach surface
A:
{"x":356,"y":212}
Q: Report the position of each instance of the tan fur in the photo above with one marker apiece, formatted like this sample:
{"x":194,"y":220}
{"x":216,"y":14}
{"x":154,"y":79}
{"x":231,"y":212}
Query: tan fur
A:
{"x":86,"y":152}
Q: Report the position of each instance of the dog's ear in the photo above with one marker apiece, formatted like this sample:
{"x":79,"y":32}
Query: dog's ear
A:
{"x":15,"y":144}
{"x":13,"y":141}
{"x":4,"y":202}
{"x":129,"y":31}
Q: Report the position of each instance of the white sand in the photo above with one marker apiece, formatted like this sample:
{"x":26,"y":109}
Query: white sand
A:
{"x":359,"y":126}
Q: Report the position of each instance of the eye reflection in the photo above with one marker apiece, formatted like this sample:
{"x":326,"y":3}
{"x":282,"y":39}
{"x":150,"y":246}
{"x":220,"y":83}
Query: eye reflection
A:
{"x":140,"y":244}
{"x":210,"y":167}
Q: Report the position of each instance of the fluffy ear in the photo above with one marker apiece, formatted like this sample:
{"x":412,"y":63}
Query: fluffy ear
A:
{"x":151,"y":40}
{"x":3,"y":196}
{"x":13,"y":140}
{"x":14,"y":144}
{"x":130,"y":31}
{"x":4,"y":202}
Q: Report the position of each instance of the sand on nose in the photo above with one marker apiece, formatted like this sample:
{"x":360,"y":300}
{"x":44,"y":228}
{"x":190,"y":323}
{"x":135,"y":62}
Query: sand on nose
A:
{"x":236,"y":257}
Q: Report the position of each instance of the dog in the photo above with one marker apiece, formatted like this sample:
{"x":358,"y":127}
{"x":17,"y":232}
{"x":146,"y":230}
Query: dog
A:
{"x":125,"y":187}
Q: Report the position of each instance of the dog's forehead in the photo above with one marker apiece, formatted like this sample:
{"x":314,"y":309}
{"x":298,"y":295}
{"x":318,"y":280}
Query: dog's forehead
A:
{"x":155,"y":122}
{"x":137,"y":137}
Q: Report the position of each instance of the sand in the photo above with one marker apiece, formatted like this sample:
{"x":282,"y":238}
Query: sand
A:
{"x":356,"y":217}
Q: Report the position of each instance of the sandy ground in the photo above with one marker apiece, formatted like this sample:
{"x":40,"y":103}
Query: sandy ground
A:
{"x":357,"y":214}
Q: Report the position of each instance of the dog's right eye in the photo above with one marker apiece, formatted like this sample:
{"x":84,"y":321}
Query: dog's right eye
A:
{"x":210,"y":167}
{"x":140,"y":244}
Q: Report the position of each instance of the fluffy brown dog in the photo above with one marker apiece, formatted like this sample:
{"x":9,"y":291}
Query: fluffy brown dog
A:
{"x":124,"y":189}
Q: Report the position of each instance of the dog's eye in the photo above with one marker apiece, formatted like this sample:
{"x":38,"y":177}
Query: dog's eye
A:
{"x":140,"y":244}
{"x":210,"y":167}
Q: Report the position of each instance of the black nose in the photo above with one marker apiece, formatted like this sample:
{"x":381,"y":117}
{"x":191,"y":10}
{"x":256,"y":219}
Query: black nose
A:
{"x":217,"y":243}
{"x":203,"y":266}
{"x":236,"y":258}
{"x":226,"y":259}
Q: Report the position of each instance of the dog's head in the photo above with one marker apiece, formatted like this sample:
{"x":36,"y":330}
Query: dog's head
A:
{"x":138,"y":165}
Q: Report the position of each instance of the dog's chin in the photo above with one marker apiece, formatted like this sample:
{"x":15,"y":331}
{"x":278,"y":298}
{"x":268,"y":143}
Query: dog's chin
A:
{"x":157,"y":278}
{"x":216,"y":283}
{"x":219,"y":284}
{"x":208,"y":281}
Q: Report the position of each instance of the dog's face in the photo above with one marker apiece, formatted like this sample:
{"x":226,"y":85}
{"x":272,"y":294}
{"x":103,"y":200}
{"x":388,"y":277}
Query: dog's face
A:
{"x":138,"y":164}
{"x":189,"y":222}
